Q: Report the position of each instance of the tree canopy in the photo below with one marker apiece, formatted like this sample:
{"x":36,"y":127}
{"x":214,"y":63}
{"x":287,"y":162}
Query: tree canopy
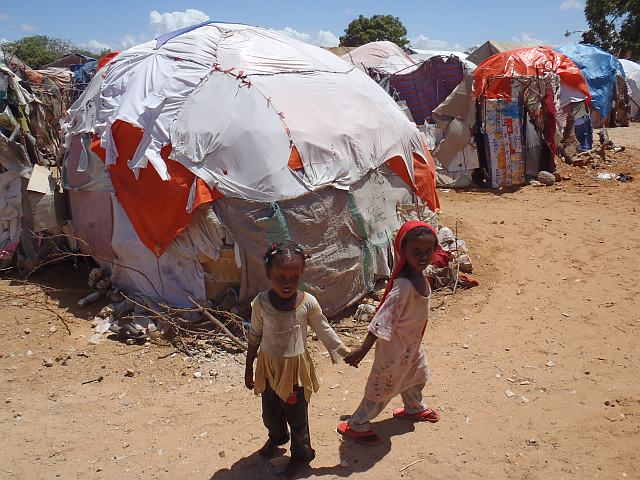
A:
{"x":379,"y":27}
{"x":38,"y":50}
{"x":614,"y":25}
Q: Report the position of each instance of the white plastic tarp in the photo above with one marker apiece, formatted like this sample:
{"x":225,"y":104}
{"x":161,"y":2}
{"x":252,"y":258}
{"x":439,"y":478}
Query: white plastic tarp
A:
{"x":632,"y":77}
{"x":255,"y":95}
{"x":385,"y":57}
{"x":421,"y":55}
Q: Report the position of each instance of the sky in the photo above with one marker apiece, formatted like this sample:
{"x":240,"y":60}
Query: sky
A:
{"x":448,"y":25}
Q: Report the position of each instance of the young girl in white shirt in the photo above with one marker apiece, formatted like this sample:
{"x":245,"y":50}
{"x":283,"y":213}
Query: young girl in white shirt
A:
{"x":285,"y":375}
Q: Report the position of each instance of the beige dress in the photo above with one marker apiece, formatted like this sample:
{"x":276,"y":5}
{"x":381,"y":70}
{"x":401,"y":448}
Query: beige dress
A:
{"x":400,"y":361}
{"x":283,"y":359}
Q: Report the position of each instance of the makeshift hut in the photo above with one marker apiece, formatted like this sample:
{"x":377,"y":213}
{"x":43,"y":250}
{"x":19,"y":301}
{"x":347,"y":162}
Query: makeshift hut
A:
{"x":632,"y":78}
{"x":31,"y":202}
{"x":455,"y":152}
{"x":190,"y":154}
{"x":605,"y":77}
{"x":521,"y":93}
{"x":493,"y":47}
{"x":418,"y":87}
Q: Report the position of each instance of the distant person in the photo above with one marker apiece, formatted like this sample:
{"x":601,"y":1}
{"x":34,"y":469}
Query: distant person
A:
{"x":582,"y":126}
{"x":285,"y":375}
{"x":400,"y":364}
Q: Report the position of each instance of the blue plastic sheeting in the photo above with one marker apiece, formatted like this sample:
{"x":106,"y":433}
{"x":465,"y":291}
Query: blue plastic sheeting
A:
{"x":83,"y":73}
{"x":599,"y":69}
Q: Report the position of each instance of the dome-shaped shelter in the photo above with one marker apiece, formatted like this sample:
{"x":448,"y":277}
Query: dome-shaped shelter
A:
{"x":384,"y":56}
{"x":226,"y":135}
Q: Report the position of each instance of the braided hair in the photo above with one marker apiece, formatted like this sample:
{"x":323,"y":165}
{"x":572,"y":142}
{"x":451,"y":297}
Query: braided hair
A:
{"x":286,"y":248}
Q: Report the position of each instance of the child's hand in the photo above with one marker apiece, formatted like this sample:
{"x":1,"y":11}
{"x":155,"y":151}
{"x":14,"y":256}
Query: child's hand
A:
{"x":355,"y":357}
{"x":248,"y":377}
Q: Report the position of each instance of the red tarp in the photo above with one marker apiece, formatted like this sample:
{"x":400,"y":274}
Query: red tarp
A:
{"x":525,"y":62}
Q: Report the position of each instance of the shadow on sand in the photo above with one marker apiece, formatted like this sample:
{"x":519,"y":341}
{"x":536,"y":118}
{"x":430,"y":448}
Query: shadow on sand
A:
{"x":358,"y":458}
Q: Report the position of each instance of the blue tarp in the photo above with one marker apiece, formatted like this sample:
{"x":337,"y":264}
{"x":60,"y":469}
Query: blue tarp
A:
{"x":83,"y":73}
{"x":599,"y":69}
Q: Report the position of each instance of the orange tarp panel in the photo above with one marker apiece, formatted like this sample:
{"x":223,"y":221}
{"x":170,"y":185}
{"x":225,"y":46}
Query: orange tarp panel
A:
{"x":295,"y":162}
{"x":156,"y":208}
{"x":106,"y":59}
{"x":424,"y":174}
{"x":525,"y":61}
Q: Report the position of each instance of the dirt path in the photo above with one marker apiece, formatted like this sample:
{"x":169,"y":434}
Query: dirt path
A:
{"x":556,"y":321}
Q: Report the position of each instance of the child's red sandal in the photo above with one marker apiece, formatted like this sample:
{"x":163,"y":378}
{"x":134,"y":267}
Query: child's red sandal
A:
{"x":369,"y":438}
{"x":427,"y":415}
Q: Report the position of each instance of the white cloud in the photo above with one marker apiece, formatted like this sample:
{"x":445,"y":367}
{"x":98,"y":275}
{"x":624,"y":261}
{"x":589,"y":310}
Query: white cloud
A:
{"x":424,"y":42}
{"x":26,"y":27}
{"x":327,"y":39}
{"x":4,"y":16}
{"x":96,"y":46}
{"x":160,"y":23}
{"x":571,"y":5}
{"x":3,"y":40}
{"x":131,"y":40}
{"x":295,"y":34}
{"x":128,"y":41}
{"x":527,"y":39}
{"x":321,"y":38}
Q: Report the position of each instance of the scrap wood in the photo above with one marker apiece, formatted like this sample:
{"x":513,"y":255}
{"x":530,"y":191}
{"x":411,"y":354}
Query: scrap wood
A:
{"x":94,"y":380}
{"x":220,"y":325}
{"x":410,"y":465}
{"x":168,"y":354}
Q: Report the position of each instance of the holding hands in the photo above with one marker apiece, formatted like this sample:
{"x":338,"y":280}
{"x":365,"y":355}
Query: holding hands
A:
{"x":355,"y":357}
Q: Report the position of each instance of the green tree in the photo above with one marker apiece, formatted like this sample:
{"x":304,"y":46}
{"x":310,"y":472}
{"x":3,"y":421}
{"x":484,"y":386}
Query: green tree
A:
{"x":614,"y":25}
{"x":379,"y":27}
{"x":470,"y":49}
{"x":38,"y":50}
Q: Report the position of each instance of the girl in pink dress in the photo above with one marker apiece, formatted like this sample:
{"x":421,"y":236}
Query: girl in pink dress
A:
{"x":400,"y":364}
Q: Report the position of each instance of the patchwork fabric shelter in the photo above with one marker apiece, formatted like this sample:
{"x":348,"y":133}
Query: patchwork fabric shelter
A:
{"x":230,"y":136}
{"x":30,"y":200}
{"x":421,"y":85}
{"x":492,"y":77}
{"x":521,"y":94}
{"x":425,"y":87}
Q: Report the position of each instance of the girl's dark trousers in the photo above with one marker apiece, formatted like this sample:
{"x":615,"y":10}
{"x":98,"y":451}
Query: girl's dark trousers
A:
{"x":277,"y":414}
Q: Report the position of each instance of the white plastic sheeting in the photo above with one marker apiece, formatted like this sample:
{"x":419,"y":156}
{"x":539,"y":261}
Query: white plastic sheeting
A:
{"x":632,"y":77}
{"x":385,"y":57}
{"x":233,"y":100}
{"x":177,"y":274}
{"x":421,"y":55}
{"x":10,"y":213}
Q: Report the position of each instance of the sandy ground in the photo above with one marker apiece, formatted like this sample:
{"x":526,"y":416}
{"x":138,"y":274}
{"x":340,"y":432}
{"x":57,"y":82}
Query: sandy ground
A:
{"x":555,"y":321}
